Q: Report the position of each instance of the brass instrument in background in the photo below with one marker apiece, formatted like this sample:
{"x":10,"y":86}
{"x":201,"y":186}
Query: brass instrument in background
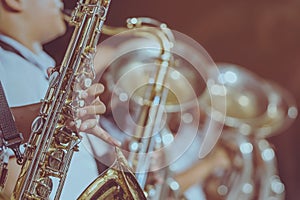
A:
{"x":52,"y":144}
{"x":254,"y":106}
{"x":154,"y":78}
{"x":256,"y":109}
{"x":252,"y":175}
{"x":236,"y":182}
{"x":148,"y":119}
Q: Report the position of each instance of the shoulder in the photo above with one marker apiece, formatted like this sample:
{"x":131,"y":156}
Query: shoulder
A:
{"x":7,"y":56}
{"x":9,"y":61}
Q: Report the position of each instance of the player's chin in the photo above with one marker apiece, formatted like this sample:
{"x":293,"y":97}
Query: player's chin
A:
{"x":54,"y":32}
{"x":62,"y":28}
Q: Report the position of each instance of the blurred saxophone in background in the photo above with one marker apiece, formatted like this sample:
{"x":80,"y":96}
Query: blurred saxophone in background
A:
{"x":148,"y":120}
{"x":52,"y":144}
{"x":154,"y":81}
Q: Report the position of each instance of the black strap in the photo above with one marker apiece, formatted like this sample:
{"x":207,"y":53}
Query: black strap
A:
{"x":11,"y":136}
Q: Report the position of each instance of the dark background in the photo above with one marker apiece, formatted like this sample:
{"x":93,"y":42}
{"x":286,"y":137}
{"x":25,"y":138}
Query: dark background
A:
{"x":260,"y":35}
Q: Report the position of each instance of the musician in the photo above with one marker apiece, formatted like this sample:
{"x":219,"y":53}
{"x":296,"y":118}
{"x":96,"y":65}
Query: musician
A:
{"x":25,"y":26}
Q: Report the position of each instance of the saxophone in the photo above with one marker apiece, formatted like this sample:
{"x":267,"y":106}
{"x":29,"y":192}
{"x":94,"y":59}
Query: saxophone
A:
{"x":119,"y":177}
{"x":51,"y":144}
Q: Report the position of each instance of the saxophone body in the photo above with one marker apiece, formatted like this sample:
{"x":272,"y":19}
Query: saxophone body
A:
{"x":52,"y":143}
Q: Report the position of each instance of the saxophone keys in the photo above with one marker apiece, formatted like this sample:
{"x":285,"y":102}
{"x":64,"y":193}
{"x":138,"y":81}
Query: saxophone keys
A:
{"x":64,"y":136}
{"x":44,"y":187}
{"x":37,"y":124}
{"x":53,"y":79}
{"x":87,"y":82}
{"x":55,"y":159}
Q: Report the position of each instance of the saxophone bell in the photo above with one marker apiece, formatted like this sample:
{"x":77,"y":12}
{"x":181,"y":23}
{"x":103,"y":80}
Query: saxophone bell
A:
{"x":117,"y":182}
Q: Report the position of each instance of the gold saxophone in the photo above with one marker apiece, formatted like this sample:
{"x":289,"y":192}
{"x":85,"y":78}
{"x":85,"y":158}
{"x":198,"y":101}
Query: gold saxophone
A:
{"x":52,"y":144}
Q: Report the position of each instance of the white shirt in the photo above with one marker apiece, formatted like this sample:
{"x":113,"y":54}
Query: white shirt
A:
{"x":25,"y":82}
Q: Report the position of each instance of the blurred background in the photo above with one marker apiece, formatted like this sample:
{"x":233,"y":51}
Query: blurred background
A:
{"x":260,"y":35}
